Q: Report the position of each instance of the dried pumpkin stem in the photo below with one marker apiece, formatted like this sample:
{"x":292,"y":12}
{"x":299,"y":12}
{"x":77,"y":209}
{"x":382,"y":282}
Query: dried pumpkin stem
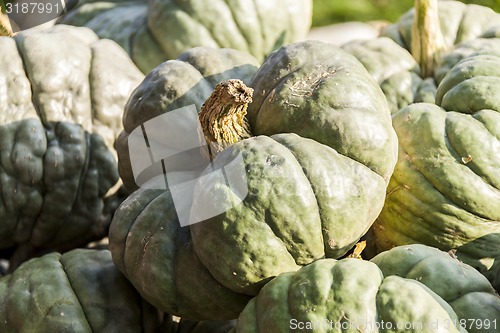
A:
{"x":223,"y":115}
{"x":427,"y":44}
{"x":5,"y":27}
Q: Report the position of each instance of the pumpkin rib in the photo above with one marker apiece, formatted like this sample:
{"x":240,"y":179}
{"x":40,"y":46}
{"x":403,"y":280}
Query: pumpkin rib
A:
{"x":189,"y":18}
{"x":23,"y":61}
{"x":130,"y":233}
{"x":261,"y":24}
{"x":238,"y":26}
{"x":450,"y":218}
{"x":423,"y":167}
{"x":275,"y":229}
{"x":459,"y":26}
{"x":135,"y":262}
{"x":417,"y":210}
{"x":428,"y":227}
{"x":134,"y":41}
{"x":63,"y":269}
{"x":241,"y":29}
{"x":478,"y":115}
{"x":312,"y":190}
{"x":479,"y":170}
{"x":330,"y":249}
{"x":454,"y":153}
{"x":17,"y":137}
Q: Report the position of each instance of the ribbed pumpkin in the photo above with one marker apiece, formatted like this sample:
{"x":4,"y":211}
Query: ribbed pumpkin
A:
{"x":407,"y":289}
{"x":80,"y":291}
{"x":445,"y":190}
{"x":154,"y":31}
{"x":62,"y":93}
{"x":316,"y":166}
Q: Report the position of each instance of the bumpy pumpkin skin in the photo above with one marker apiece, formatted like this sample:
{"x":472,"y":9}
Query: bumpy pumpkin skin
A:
{"x":410,"y":285}
{"x":154,"y":31}
{"x":309,"y":196}
{"x":62,"y":92}
{"x":445,"y":188}
{"x":79,"y":291}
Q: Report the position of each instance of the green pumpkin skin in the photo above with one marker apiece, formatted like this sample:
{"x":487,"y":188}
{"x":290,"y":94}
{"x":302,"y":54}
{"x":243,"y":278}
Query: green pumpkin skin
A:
{"x":419,"y":287}
{"x":62,"y":92}
{"x":154,"y":31}
{"x":331,"y":188}
{"x":79,"y":291}
{"x":445,"y":189}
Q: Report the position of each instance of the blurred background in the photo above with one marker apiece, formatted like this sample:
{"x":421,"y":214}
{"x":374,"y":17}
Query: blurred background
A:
{"x":334,"y":11}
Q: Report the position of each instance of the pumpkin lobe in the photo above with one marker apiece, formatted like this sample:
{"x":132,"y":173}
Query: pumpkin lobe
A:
{"x":223,"y":115}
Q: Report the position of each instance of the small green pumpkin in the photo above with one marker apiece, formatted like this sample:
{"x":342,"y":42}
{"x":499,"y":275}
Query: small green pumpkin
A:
{"x":62,"y":92}
{"x":154,"y":31}
{"x":80,"y":291}
{"x":316,"y":170}
{"x":407,"y":289}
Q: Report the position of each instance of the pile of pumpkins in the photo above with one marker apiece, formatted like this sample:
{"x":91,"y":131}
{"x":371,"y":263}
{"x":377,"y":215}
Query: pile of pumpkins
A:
{"x":371,"y":171}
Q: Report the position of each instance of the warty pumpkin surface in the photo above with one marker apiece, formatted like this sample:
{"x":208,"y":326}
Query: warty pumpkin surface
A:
{"x":62,"y":93}
{"x":80,"y":291}
{"x":445,"y":189}
{"x":411,"y":288}
{"x":316,"y":169}
{"x":154,"y":31}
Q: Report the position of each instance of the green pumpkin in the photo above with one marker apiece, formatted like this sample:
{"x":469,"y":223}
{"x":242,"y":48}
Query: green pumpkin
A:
{"x":316,"y":170}
{"x":79,"y":291}
{"x":62,"y":93}
{"x":445,"y":190}
{"x":154,"y":31}
{"x":407,"y":289}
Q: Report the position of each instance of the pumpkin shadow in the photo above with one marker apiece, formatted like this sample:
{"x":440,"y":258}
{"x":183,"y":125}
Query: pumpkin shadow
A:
{"x":59,"y":188}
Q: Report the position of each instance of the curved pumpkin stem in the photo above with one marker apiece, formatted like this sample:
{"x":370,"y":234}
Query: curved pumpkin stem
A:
{"x":223,"y":115}
{"x":427,"y":43}
{"x":5,"y":27}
